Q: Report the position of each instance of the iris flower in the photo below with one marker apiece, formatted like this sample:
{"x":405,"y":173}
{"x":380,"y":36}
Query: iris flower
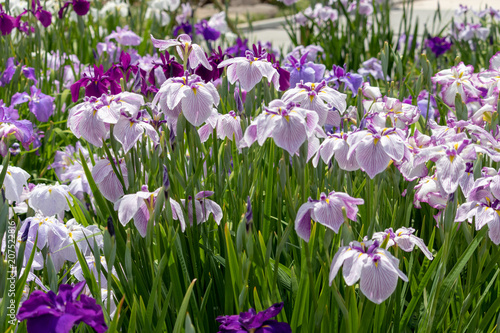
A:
{"x":185,"y":48}
{"x":290,"y":126}
{"x":190,"y":95}
{"x":250,"y":69}
{"x":326,"y":211}
{"x":375,"y":268}
{"x":254,"y":322}
{"x":404,"y":239}
{"x":50,"y":312}
{"x":325,"y":101}
{"x":375,"y":148}
{"x":14,"y":182}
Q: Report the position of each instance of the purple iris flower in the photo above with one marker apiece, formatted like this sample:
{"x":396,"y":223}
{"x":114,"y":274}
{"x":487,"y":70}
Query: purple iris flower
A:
{"x":7,"y":22}
{"x":438,"y":45}
{"x":238,"y":49}
{"x":326,"y":211}
{"x":426,"y":110}
{"x":339,"y":75}
{"x":169,"y":67}
{"x":41,"y":14}
{"x":372,"y":67}
{"x":303,"y":70}
{"x":209,"y":33}
{"x":10,"y":70}
{"x":214,"y":60}
{"x":185,"y":27}
{"x":95,"y":84}
{"x":50,"y":312}
{"x":41,"y":105}
{"x":284,"y":75}
{"x":81,"y":7}
{"x":375,"y":268}
{"x":254,"y":322}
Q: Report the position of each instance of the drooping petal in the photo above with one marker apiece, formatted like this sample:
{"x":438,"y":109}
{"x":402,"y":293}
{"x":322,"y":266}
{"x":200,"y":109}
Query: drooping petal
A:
{"x":378,"y":280}
{"x":303,"y":221}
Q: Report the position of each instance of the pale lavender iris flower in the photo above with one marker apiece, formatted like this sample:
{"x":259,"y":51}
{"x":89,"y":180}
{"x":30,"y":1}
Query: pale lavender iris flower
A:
{"x":326,"y":211}
{"x":455,"y":80}
{"x":107,"y":181}
{"x":325,"y":101}
{"x":250,"y":69}
{"x":375,"y":268}
{"x":124,"y":36}
{"x":375,"y":148}
{"x":483,"y":203}
{"x":138,"y":206}
{"x":185,"y":48}
{"x":204,"y":208}
{"x":189,"y":95}
{"x":290,"y":126}
{"x":404,"y":238}
{"x":50,"y":199}
{"x":130,"y":128}
{"x":14,"y":182}
{"x":335,"y":145}
{"x":226,"y":125}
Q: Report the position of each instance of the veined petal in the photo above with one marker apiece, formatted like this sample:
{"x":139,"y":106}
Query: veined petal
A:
{"x":248,"y":74}
{"x":197,"y":105}
{"x":449,"y":170}
{"x":290,"y":134}
{"x":372,"y":157}
{"x":378,"y":280}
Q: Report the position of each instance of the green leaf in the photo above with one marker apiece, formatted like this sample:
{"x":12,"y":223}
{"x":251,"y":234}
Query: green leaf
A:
{"x":183,"y":309}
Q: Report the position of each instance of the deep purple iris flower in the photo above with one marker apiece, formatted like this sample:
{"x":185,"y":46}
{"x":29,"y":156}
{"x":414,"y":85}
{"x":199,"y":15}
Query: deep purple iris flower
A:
{"x":95,"y":85}
{"x":214,"y":60}
{"x":284,"y":80}
{"x":81,"y":7}
{"x":50,"y":312}
{"x":438,"y":45}
{"x":185,"y":27}
{"x":41,"y":105}
{"x":254,"y":322}
{"x":340,"y":75}
{"x":238,"y":49}
{"x":7,"y":22}
{"x":169,"y":66}
{"x":209,"y":33}
{"x":45,"y":17}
